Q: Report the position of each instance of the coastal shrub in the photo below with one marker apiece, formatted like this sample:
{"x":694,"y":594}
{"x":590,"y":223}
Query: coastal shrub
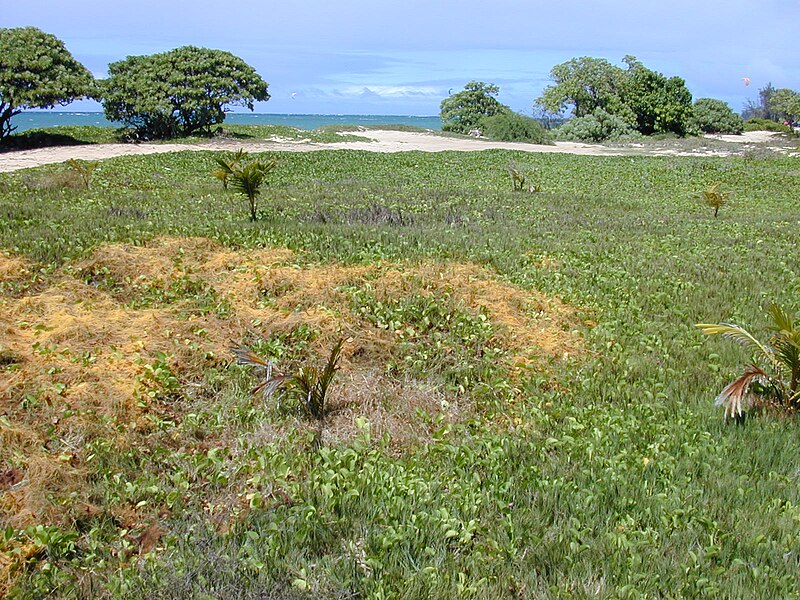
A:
{"x":513,"y":127}
{"x":466,"y":110}
{"x":36,"y":71}
{"x":180,"y":92}
{"x":646,"y":99}
{"x":599,"y":126}
{"x":758,"y":124}
{"x":710,"y":115}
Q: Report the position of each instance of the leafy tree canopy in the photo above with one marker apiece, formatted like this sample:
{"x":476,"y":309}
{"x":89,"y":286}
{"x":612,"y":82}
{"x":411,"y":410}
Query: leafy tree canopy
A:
{"x":37,"y":71}
{"x":658,"y":104}
{"x":583,"y":84}
{"x":710,"y":115}
{"x":784,"y":104}
{"x":647,"y":100}
{"x":179,"y":92}
{"x":464,"y":111}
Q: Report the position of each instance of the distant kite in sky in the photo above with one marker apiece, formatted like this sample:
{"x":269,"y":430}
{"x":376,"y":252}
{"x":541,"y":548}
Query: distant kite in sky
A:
{"x":746,"y":81}
{"x":294,"y":94}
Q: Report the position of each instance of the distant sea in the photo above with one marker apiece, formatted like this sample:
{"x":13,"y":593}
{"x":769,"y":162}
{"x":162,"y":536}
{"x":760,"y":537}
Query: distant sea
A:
{"x":39,"y":119}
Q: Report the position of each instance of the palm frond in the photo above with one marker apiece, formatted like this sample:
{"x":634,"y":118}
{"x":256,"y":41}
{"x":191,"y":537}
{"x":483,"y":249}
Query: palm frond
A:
{"x":245,"y":356}
{"x":783,"y":321}
{"x":737,"y":396}
{"x":738,"y":334}
{"x":308,"y":384}
{"x":270,"y":384}
{"x":248,"y":180}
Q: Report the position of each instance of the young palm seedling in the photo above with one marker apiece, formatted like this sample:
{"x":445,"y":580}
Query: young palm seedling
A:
{"x":309,"y":385}
{"x":248,"y":179}
{"x":714,"y":198}
{"x":84,"y":169}
{"x":227,"y":166}
{"x":522,"y":181}
{"x":780,"y":356}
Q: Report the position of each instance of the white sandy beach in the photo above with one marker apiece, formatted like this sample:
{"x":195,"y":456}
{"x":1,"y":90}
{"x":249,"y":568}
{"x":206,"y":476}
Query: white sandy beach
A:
{"x":381,"y":141}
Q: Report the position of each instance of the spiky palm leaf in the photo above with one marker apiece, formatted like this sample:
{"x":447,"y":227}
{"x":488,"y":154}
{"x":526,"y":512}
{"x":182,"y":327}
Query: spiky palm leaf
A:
{"x":782,"y":353}
{"x":228,"y":166}
{"x":737,"y":334}
{"x":308,"y":384}
{"x":714,"y":198}
{"x":270,"y":379}
{"x":311,"y":386}
{"x":248,"y":180}
{"x":83,"y":168}
{"x":737,"y":396}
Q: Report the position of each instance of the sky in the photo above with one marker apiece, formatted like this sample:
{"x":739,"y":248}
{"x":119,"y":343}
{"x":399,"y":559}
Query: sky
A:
{"x":404,"y":57}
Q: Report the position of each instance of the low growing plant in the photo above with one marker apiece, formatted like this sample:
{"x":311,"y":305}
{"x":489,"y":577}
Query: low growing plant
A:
{"x":777,"y":379}
{"x":84,"y":169}
{"x":247,"y":179}
{"x":228,"y":166}
{"x":714,"y":198}
{"x":522,"y":180}
{"x":308,"y":385}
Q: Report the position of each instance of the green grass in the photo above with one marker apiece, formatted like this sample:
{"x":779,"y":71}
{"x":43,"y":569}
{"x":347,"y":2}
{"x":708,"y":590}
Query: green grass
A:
{"x":612,"y":477}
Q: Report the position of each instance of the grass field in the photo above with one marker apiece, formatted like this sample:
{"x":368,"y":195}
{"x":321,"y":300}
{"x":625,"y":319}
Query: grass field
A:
{"x":524,"y":407}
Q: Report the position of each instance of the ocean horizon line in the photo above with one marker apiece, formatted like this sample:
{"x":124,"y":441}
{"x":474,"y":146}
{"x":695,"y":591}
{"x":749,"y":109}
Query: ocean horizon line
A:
{"x":40,"y":119}
{"x":42,"y":111}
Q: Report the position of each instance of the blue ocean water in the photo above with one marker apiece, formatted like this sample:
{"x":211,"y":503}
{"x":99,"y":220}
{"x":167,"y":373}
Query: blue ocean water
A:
{"x":39,"y":119}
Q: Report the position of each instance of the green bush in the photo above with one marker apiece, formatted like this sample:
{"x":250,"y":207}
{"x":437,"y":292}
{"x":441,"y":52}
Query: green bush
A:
{"x":765,"y":125}
{"x":513,"y":127}
{"x":465,"y":111}
{"x":599,"y":126}
{"x":710,"y":115}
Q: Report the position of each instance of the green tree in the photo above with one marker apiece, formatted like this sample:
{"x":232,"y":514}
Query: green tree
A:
{"x":658,"y":104}
{"x":464,"y":111}
{"x":782,"y":104}
{"x":179,"y":92}
{"x":710,"y":115}
{"x":37,"y":71}
{"x":647,"y":100}
{"x":583,"y":84}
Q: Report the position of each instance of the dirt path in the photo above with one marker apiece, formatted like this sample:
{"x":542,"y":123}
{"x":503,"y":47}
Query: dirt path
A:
{"x":380,"y":141}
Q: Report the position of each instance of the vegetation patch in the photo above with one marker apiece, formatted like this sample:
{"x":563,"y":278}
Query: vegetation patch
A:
{"x":111,"y":345}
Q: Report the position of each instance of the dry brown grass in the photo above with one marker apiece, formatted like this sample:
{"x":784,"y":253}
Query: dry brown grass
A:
{"x":78,"y":348}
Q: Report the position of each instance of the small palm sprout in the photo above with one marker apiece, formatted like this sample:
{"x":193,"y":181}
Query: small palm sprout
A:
{"x":227,"y":166}
{"x":778,"y":379}
{"x":308,"y":385}
{"x":522,"y":181}
{"x":248,"y":179}
{"x":714,"y":198}
{"x":84,"y":168}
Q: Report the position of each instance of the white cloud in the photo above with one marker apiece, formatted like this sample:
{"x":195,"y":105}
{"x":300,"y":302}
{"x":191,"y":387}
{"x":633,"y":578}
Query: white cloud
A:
{"x":390,"y":91}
